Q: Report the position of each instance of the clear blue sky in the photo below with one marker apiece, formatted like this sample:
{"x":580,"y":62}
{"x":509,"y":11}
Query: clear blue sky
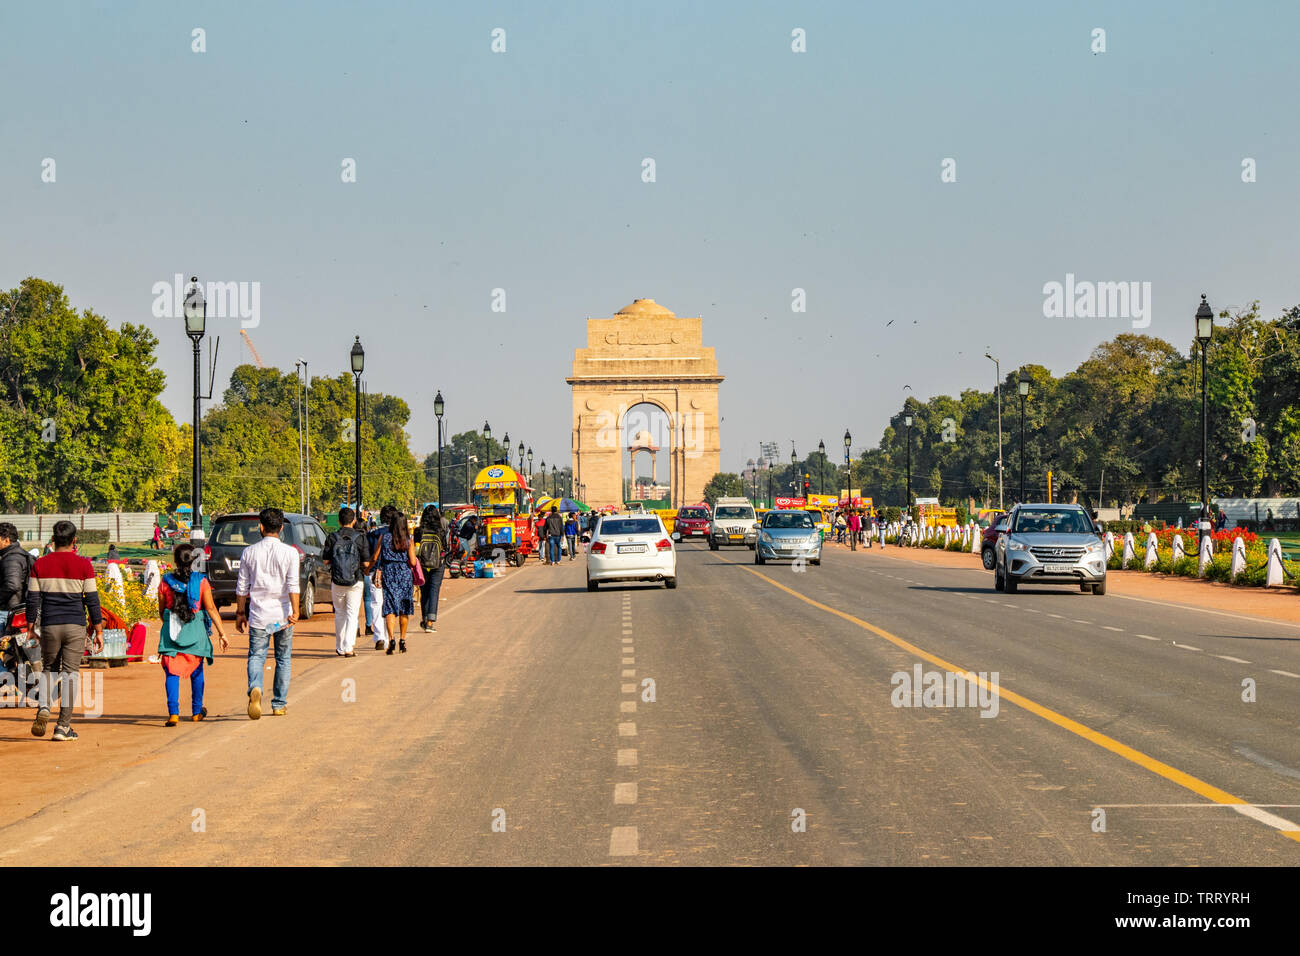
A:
{"x":775,"y":170}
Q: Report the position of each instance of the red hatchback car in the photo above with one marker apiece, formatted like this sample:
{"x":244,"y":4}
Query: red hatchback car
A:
{"x":692,"y":522}
{"x":989,"y":541}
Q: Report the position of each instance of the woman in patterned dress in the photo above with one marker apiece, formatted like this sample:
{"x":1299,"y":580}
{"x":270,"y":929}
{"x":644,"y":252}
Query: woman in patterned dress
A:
{"x":395,"y":557}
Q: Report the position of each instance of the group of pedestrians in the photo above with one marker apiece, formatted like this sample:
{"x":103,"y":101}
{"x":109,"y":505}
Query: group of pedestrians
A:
{"x":557,"y":535}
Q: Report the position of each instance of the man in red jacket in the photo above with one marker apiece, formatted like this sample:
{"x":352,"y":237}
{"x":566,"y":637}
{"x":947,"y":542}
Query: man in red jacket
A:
{"x":855,"y":526}
{"x":61,"y":592}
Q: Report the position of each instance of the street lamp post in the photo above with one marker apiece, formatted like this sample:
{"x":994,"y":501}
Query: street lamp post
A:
{"x":821,"y":468}
{"x":506,"y":442}
{"x":907,"y":420}
{"x":1204,"y":333}
{"x":794,"y":472}
{"x":521,"y":456}
{"x":196,"y":319}
{"x":530,"y":467}
{"x":848,"y":469}
{"x":555,"y":478}
{"x":998,"y":371}
{"x":487,"y":443}
{"x":358,"y":357}
{"x":1023,"y":387}
{"x":438,"y":409}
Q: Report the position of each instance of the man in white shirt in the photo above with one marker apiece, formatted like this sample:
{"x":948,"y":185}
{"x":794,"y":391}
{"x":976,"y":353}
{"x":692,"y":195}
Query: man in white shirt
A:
{"x":267,"y":593}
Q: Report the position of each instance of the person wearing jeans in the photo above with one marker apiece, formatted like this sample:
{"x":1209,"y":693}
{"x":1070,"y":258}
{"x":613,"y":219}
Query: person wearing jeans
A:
{"x":267,"y":593}
{"x":554,"y":531}
{"x":61,"y":592}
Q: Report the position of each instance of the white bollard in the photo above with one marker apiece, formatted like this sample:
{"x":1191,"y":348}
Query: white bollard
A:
{"x":1130,"y":552}
{"x":1238,"y":557}
{"x":152,"y":578}
{"x":114,"y":575}
{"x":1273,"y":577}
{"x":1205,"y":556}
{"x":1153,"y":552}
{"x":1179,"y":552}
{"x":1110,"y":545}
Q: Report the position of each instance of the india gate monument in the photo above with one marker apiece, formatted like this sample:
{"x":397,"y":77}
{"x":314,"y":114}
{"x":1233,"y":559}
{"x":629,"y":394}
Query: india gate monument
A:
{"x":644,"y":354}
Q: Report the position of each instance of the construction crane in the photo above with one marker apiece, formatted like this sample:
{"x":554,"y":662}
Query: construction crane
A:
{"x":249,"y":342}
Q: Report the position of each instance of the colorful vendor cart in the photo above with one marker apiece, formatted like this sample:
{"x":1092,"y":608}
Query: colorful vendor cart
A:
{"x":504,"y":502}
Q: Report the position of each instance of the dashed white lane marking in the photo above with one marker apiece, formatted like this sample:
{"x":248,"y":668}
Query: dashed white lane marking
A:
{"x":625,"y":793}
{"x":1030,"y":610}
{"x":629,"y":673}
{"x":1235,"y":660}
{"x":623,"y":841}
{"x":1107,"y":627}
{"x":1148,"y":637}
{"x":1077,"y":621}
{"x":1058,"y":616}
{"x":1284,"y":673}
{"x":627,"y":706}
{"x":1186,"y":647}
{"x":627,"y":758}
{"x":1011,"y":605}
{"x":629,"y":688}
{"x":629,"y":660}
{"x":627,"y":730}
{"x":627,"y":640}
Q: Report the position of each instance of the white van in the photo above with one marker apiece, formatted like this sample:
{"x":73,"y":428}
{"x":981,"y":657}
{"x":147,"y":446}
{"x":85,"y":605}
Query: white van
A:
{"x":734,"y":523}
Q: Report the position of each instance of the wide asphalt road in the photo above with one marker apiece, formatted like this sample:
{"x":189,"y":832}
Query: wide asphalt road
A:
{"x":750,"y":716}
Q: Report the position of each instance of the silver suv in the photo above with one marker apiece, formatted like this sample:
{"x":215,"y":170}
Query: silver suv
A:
{"x":1050,"y":544}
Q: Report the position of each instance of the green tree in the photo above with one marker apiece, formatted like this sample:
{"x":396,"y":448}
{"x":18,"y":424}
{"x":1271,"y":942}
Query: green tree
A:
{"x":81,"y":424}
{"x":725,"y":484}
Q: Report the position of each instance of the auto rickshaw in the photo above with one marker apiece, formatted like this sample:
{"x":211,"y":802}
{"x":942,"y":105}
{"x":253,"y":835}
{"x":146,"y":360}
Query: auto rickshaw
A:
{"x":505,"y":508}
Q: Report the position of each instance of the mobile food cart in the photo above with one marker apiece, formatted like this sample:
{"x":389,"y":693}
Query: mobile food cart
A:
{"x":504,"y":503}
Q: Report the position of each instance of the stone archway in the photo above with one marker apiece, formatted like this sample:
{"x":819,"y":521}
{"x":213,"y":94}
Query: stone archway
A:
{"x":644,"y":354}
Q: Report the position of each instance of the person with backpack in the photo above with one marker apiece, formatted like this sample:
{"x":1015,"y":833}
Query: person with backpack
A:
{"x":185,"y":642}
{"x":571,"y":534}
{"x":15,"y":569}
{"x":431,"y":550}
{"x":345,"y":555}
{"x":374,"y":594}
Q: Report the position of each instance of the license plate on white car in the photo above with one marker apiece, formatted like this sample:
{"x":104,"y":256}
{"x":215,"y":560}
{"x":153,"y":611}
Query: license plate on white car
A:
{"x":631,"y":548}
{"x":737,"y":537}
{"x":1059,"y":568}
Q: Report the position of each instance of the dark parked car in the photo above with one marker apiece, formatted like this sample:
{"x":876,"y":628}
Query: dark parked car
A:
{"x":231,"y":534}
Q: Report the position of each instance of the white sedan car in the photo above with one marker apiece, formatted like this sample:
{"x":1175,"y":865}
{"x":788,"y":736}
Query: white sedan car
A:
{"x":631,"y":547}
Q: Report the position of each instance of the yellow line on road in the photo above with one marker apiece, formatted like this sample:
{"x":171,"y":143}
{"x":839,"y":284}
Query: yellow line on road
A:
{"x":1172,"y":774}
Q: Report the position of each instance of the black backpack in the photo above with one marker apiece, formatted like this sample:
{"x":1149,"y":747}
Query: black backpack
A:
{"x":346,"y":558}
{"x":431,"y":548}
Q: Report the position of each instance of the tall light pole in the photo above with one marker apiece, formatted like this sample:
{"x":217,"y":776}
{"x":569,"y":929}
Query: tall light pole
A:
{"x":998,"y":371}
{"x":358,"y":358}
{"x":521,"y":456}
{"x":306,"y":441}
{"x":907,"y":420}
{"x":506,"y":442}
{"x":1023,"y":387}
{"x":196,"y":320}
{"x":821,"y":468}
{"x":794,"y":470}
{"x":530,"y":467}
{"x":438,"y":408}
{"x":555,"y":479}
{"x":848,"y":469}
{"x":1204,"y":333}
